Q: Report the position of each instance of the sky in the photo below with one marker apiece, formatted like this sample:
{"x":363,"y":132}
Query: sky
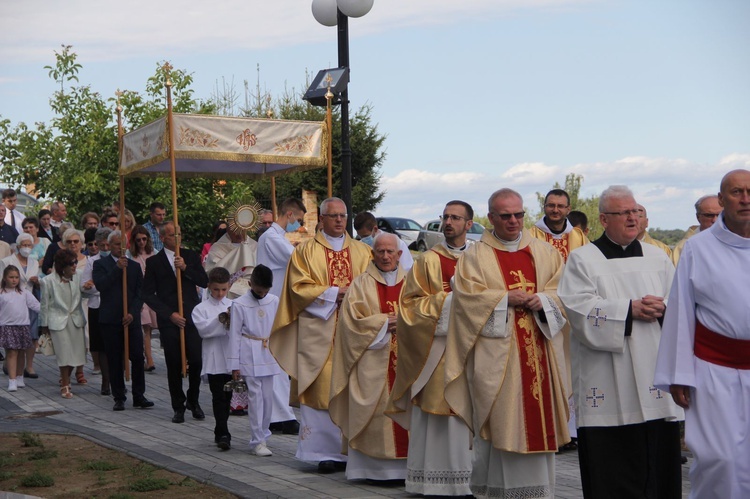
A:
{"x":472,"y":96}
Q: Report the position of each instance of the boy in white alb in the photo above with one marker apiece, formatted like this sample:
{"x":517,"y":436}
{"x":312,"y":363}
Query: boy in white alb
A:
{"x":252,"y":318}
{"x":209,"y":317}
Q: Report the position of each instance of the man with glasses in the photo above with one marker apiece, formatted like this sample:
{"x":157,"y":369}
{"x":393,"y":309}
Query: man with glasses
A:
{"x":319,"y":273}
{"x":615,"y":291}
{"x":439,"y":458}
{"x":707,"y":211}
{"x":367,"y":229}
{"x":110,"y":220}
{"x":554,"y":226}
{"x":504,"y":366}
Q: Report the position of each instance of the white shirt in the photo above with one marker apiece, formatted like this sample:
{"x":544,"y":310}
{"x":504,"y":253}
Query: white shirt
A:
{"x":274,"y":251}
{"x":216,"y":346}
{"x":92,"y":293}
{"x":14,"y":307}
{"x":252,"y":317}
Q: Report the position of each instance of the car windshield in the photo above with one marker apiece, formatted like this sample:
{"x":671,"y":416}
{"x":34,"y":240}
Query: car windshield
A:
{"x":476,"y":228}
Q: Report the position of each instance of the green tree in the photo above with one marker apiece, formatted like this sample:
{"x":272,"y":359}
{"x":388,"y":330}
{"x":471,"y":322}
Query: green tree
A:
{"x":74,"y":159}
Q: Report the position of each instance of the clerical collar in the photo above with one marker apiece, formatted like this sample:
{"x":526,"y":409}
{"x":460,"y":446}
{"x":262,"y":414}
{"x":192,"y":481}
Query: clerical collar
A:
{"x":336,"y":242}
{"x":389,"y":277}
{"x":509,"y":245}
{"x":611,"y":249}
{"x":455,"y":248}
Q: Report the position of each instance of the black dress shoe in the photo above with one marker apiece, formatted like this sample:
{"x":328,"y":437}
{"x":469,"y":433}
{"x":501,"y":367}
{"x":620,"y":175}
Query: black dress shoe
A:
{"x":196,"y":410}
{"x":119,"y":405}
{"x":224,"y":442}
{"x":326,"y":467}
{"x":339,"y":465}
{"x":179,"y":416}
{"x":290,"y":427}
{"x":143,"y":403}
{"x":27,"y":374}
{"x":277,"y":427}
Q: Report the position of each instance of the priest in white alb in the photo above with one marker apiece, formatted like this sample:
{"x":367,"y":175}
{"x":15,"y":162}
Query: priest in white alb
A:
{"x":365,"y":357}
{"x":704,"y":355}
{"x":439,"y":461}
{"x":236,"y":252}
{"x":504,"y":363}
{"x":615,"y":291}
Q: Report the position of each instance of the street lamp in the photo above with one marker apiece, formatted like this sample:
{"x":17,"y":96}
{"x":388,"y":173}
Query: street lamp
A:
{"x":337,"y":13}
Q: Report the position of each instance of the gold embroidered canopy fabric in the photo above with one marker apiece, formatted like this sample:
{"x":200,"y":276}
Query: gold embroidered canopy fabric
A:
{"x":225,"y":147}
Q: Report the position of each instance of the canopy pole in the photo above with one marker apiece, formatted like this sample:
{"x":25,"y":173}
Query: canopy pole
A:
{"x":274,"y":208}
{"x":175,"y":219}
{"x":329,"y":124}
{"x":123,"y":243}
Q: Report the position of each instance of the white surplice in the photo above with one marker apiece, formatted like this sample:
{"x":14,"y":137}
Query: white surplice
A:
{"x":274,"y":251}
{"x":613,"y":373}
{"x":215,"y":346}
{"x":712,"y":285}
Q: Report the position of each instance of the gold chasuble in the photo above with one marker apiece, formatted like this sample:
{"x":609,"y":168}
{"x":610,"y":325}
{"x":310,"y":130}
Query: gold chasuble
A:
{"x":517,"y":399}
{"x":563,"y":243}
{"x":420,"y":377}
{"x":363,"y":377}
{"x":301,"y":342}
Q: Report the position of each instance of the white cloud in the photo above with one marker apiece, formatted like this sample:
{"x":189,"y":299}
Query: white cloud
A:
{"x":668,"y":187}
{"x":109,"y":31}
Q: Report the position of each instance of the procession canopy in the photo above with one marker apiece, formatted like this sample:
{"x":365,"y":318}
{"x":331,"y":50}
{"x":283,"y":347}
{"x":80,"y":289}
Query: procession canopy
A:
{"x":225,"y":147}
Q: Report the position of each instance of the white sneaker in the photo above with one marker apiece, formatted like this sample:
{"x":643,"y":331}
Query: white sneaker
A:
{"x":261,"y":450}
{"x":12,"y":386}
{"x":19,"y":382}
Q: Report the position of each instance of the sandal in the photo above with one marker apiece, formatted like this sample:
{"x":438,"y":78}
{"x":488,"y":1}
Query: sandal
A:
{"x":80,"y":379}
{"x":65,"y":392}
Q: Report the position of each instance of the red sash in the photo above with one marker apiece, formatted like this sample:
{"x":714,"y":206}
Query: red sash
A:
{"x":519,"y":273}
{"x":388,"y":298}
{"x":721,"y":350}
{"x":447,"y":268}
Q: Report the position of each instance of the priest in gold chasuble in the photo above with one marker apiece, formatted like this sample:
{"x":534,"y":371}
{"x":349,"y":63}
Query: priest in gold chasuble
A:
{"x":319,"y":273}
{"x":365,"y":356}
{"x":439,"y":461}
{"x":504,"y":369}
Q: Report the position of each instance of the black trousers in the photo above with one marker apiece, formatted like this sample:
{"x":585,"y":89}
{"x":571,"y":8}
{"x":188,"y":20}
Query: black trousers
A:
{"x":113,"y":340}
{"x":631,"y":461}
{"x":221,"y":401}
{"x":170,"y":341}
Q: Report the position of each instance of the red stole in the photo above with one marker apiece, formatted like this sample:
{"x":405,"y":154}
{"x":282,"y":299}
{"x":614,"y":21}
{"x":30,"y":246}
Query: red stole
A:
{"x":339,"y":264}
{"x":561,"y":245}
{"x":388,"y":299}
{"x":447,"y":269}
{"x":519,"y":273}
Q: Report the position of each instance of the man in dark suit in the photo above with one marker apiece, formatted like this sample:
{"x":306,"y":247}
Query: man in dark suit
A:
{"x":107,"y":276}
{"x":160,"y":293}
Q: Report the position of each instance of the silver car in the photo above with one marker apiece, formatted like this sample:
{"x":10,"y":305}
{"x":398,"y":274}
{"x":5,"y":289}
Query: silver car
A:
{"x":432,"y":233}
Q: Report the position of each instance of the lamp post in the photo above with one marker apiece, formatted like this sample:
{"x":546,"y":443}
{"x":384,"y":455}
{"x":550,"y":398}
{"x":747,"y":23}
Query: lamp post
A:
{"x":337,"y":13}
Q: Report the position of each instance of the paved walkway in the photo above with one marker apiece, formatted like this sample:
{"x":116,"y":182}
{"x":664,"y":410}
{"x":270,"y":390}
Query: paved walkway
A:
{"x":188,"y":448}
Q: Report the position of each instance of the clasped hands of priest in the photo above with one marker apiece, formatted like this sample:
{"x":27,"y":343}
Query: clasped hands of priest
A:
{"x":649,"y":308}
{"x":520,"y":298}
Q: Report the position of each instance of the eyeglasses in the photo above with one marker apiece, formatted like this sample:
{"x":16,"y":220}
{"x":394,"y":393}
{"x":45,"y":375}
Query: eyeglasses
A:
{"x":335,"y":216}
{"x":91,"y":243}
{"x":141,"y":239}
{"x":453,"y":218}
{"x":267,"y":224}
{"x":74,"y":241}
{"x":73,"y":263}
{"x":506,"y":216}
{"x":113,"y":224}
{"x":623,"y":213}
{"x":552,"y":206}
{"x":709,"y":215}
